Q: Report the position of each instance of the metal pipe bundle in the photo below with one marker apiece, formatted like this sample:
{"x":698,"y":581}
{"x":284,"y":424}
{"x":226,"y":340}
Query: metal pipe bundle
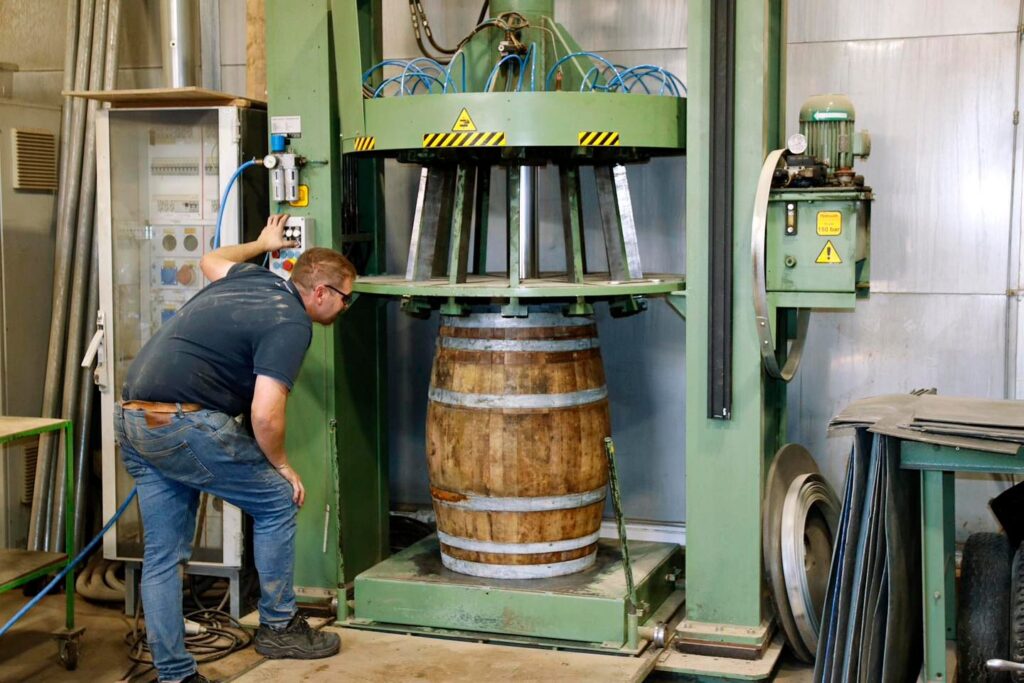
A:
{"x":67,"y":204}
{"x":95,"y":38}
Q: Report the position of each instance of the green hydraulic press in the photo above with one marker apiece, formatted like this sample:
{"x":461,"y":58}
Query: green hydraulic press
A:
{"x":517,"y":95}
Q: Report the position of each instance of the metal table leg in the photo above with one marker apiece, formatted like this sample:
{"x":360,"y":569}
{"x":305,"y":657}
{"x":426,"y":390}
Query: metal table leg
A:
{"x":937,"y":569}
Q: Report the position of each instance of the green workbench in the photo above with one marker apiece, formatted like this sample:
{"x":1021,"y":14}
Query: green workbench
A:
{"x":18,"y":567}
{"x":938,"y":466}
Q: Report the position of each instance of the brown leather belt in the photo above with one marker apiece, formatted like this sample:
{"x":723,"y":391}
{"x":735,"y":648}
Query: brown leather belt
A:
{"x":155,"y":407}
{"x":160,"y":414}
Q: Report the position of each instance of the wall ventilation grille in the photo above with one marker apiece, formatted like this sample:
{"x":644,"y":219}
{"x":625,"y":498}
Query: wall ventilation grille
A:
{"x":35,"y":159}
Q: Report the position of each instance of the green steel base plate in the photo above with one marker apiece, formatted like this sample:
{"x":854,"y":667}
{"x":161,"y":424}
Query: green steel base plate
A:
{"x":594,"y":286}
{"x":585,"y":610}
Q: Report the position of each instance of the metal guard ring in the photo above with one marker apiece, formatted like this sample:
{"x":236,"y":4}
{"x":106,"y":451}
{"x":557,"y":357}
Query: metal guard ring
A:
{"x":762,"y":320}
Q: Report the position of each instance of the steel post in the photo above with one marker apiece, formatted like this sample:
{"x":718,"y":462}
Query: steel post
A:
{"x":572,"y":223}
{"x":481,"y":208}
{"x":726,"y":460}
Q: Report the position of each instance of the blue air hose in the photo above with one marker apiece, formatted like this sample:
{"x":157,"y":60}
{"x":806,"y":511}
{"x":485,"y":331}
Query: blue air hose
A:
{"x":224,"y":199}
{"x":71,"y":565}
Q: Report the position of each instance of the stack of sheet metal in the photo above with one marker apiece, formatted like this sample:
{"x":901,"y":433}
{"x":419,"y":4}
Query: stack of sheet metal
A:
{"x":871,"y":626}
{"x":980,"y":424}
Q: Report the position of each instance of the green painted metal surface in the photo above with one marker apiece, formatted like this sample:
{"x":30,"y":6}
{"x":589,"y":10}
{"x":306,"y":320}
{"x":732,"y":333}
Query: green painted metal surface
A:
{"x":69,"y":524}
{"x":923,"y":456}
{"x":938,"y":570}
{"x":822,"y":251}
{"x":489,"y":287}
{"x":335,"y":436}
{"x":412,"y":587}
{"x":938,"y":465}
{"x":726,"y":460}
{"x":529,"y":119}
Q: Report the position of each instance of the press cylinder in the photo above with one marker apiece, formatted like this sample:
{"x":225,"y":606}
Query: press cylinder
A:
{"x":516,"y":423}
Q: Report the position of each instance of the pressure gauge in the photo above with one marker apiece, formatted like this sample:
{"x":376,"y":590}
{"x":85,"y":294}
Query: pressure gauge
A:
{"x":797,"y":143}
{"x":270,"y":161}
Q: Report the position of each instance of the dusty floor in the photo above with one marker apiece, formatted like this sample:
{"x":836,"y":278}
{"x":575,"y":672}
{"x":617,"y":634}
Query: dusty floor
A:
{"x":28,"y":653}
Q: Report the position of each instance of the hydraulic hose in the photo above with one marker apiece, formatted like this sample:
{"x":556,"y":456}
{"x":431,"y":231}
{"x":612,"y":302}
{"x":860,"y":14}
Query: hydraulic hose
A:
{"x":224,"y":200}
{"x":71,"y":565}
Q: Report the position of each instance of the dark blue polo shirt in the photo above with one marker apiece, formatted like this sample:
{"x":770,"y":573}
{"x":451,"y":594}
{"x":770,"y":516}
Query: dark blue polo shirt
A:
{"x":248,"y":323}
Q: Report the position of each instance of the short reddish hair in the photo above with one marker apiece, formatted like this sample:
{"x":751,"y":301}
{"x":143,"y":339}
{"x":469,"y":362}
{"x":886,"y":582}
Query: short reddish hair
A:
{"x":319,"y":265}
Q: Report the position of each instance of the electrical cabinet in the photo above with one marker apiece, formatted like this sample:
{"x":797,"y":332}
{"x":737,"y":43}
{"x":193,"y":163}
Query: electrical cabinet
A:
{"x":161,"y":174}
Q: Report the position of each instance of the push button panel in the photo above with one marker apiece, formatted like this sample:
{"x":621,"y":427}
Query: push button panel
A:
{"x":298,"y":229}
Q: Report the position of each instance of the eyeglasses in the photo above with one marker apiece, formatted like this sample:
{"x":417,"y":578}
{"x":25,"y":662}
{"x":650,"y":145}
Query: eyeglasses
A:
{"x":346,"y":299}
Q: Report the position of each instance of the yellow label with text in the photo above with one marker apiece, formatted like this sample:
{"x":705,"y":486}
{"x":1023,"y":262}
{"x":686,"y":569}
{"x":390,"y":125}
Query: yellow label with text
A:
{"x":830,"y":223}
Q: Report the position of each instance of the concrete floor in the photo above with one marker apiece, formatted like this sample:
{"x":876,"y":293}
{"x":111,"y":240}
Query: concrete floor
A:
{"x":28,"y":653}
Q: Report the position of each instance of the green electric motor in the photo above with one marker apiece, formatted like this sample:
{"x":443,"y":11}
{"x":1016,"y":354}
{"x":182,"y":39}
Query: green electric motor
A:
{"x":827,"y":121}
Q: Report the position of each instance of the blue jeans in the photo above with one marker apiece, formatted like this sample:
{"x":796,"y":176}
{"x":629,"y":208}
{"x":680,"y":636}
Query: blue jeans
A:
{"x":202,"y":451}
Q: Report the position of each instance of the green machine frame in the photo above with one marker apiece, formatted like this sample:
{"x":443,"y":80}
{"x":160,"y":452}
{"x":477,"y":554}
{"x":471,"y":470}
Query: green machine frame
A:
{"x":316,"y":53}
{"x":337,"y":411}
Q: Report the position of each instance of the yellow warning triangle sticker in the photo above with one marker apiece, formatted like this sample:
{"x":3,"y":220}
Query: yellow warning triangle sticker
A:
{"x":828,"y":254}
{"x":464,"y":122}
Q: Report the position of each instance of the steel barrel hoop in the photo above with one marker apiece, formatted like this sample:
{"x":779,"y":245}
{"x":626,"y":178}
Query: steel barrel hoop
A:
{"x":518,"y":401}
{"x":468,"y":501}
{"x":519,"y":345}
{"x":534,"y":548}
{"x":518,"y":571}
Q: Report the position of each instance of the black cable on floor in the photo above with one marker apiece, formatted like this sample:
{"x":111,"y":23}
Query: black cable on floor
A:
{"x":224,"y":635}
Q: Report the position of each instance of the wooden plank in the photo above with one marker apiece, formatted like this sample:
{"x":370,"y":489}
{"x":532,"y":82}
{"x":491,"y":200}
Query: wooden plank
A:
{"x":374,"y":657}
{"x":12,"y":426}
{"x":16,"y":564}
{"x":166,"y":97}
{"x":255,"y":50}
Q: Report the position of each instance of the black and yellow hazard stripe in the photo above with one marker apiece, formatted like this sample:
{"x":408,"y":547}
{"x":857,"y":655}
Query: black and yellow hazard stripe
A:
{"x":599,"y":138}
{"x":365,"y":144}
{"x":478,"y":139}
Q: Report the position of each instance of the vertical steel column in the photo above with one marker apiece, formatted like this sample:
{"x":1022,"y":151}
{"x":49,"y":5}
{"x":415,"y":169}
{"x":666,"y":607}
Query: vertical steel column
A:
{"x":726,"y":459}
{"x":529,"y":252}
{"x":572,"y":223}
{"x":461,"y":223}
{"x":617,"y":222}
{"x":359,"y":361}
{"x":513,"y":217}
{"x":432,"y":221}
{"x":481,"y":208}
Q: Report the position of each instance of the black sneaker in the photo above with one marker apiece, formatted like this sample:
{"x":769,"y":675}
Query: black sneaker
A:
{"x":196,"y":677}
{"x":296,"y":641}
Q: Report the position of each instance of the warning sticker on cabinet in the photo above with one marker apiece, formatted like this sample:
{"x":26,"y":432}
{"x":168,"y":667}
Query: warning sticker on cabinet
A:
{"x":828,"y":254}
{"x":830,"y":223}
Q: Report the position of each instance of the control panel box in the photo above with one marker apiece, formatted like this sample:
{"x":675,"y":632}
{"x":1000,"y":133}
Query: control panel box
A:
{"x":818,"y":240}
{"x":299,"y":229}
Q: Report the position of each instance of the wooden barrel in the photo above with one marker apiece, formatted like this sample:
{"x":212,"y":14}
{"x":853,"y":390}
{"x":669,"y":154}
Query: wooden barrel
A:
{"x":516,"y":424}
